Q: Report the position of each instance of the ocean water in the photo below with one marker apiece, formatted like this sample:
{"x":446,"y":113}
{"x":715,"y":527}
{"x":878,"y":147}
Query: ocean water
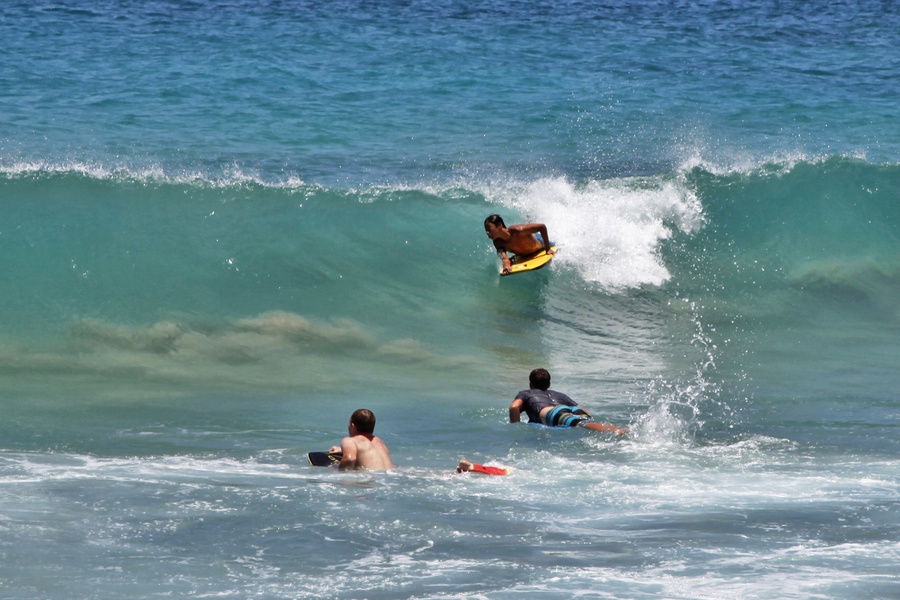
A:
{"x":224,"y":226}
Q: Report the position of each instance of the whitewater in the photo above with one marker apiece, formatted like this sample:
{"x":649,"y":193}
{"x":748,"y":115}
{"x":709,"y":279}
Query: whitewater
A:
{"x":224,"y":226}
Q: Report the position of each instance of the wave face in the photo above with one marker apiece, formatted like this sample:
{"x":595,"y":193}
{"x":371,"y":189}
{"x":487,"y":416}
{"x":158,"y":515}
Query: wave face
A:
{"x":138,"y":271}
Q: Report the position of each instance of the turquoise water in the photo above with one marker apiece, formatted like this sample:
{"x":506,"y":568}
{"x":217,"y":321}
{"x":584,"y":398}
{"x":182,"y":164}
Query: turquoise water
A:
{"x":226,"y":225}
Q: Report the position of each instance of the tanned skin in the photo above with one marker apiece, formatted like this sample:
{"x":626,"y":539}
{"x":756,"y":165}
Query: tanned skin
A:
{"x":517,"y":239}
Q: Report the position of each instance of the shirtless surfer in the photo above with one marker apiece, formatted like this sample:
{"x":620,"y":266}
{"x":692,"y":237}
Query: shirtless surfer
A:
{"x":522,"y":240}
{"x":362,"y":449}
{"x":552,"y":408}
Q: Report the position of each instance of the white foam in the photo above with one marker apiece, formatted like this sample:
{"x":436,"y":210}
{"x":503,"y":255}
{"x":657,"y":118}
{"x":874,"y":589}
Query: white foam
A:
{"x":776,"y":163}
{"x":610,"y":231}
{"x":231,"y":176}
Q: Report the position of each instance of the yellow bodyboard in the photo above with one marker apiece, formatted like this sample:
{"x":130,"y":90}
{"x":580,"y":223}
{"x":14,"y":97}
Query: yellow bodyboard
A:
{"x":520,"y":264}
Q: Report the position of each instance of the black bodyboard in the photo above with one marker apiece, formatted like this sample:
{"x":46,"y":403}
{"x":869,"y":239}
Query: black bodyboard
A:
{"x":324,"y":459}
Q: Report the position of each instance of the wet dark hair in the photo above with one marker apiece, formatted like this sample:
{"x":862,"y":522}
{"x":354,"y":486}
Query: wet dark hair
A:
{"x":539,"y":379}
{"x":494,"y":219}
{"x":364,"y":420}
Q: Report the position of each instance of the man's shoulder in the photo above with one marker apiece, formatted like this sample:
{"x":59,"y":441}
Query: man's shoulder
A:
{"x":528,"y":228}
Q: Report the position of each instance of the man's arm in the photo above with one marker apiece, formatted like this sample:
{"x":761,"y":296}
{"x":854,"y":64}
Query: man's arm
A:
{"x":515,"y":410}
{"x":542,"y":229}
{"x":348,"y":459}
{"x":535,"y":228}
{"x":507,"y":263}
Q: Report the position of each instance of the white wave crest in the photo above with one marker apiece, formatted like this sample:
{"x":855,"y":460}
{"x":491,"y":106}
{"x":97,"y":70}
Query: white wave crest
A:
{"x":227,"y":177}
{"x":610,"y":231}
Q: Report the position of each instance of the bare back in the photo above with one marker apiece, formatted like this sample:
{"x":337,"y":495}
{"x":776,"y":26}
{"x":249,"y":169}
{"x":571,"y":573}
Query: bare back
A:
{"x":523,"y":243}
{"x":365,"y":452}
{"x":520,"y":239}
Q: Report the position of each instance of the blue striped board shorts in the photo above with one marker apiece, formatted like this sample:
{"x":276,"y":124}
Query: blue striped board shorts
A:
{"x":565,"y":416}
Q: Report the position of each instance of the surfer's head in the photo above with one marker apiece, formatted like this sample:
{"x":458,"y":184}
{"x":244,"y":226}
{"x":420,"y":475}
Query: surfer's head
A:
{"x":495,"y":220}
{"x":364,"y":421}
{"x":495,"y":228}
{"x":539,"y":379}
{"x":494,"y":225}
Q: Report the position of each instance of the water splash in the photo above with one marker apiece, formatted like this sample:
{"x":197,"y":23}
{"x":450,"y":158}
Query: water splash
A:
{"x":680,"y":408}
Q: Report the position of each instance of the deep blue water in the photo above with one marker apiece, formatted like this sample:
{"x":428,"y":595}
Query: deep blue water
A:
{"x":226,"y":225}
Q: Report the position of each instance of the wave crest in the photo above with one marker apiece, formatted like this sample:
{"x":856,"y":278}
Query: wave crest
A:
{"x":610,"y":231}
{"x":232,"y":176}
